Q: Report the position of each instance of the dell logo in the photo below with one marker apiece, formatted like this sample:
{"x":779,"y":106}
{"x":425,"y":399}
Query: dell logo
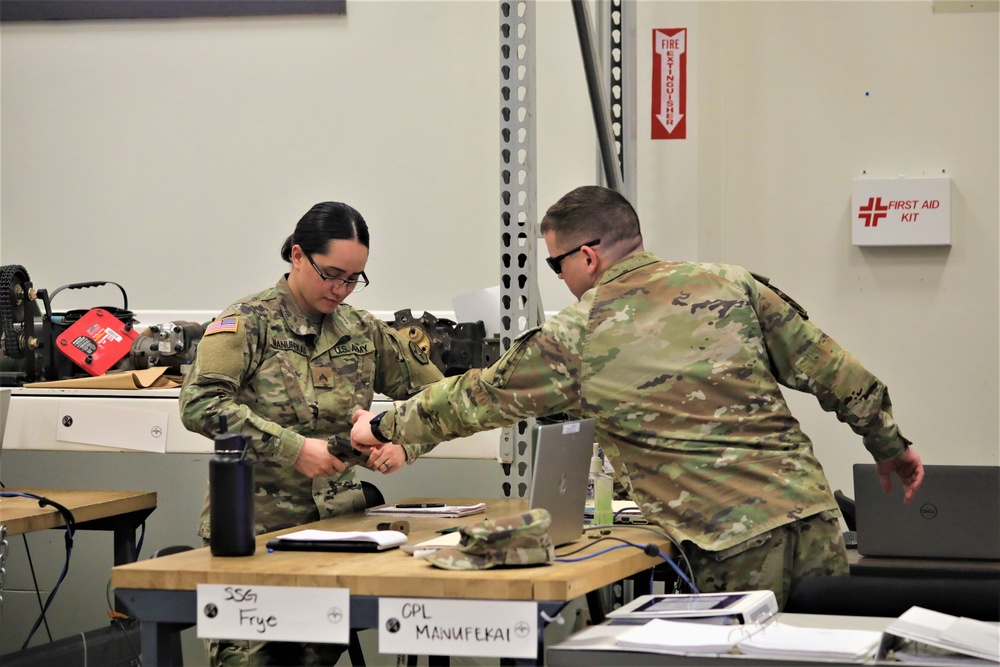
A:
{"x":928,"y":511}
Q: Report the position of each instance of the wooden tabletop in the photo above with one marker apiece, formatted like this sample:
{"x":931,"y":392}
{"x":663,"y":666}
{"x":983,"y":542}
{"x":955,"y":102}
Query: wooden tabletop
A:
{"x":397,"y":574}
{"x":24,"y":515}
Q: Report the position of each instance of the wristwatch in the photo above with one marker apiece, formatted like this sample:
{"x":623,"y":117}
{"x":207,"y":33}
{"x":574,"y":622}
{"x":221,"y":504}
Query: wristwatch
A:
{"x":375,"y":423}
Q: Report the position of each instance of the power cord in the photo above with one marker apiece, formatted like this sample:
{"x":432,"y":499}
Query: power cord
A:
{"x":70,"y":530}
{"x":34,"y":580}
{"x":119,"y":620}
{"x":649,"y":549}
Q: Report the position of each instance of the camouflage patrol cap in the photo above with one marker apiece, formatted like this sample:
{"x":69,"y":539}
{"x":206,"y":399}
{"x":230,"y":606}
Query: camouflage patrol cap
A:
{"x":520,"y":539}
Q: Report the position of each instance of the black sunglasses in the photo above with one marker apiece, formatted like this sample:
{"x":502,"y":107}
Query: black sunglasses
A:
{"x":556,"y":262}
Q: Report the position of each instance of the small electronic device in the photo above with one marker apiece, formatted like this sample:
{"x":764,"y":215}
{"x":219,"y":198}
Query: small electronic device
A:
{"x":736,"y":608}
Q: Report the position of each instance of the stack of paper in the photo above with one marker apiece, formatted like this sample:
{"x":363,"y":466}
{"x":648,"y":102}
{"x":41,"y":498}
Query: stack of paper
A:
{"x":683,"y":637}
{"x":771,"y":640}
{"x":778,"y":640}
{"x":442,"y":510}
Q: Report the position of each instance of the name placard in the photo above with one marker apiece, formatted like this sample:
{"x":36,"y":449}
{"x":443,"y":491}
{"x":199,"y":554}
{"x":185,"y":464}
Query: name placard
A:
{"x":274,"y":613}
{"x":477,"y":628}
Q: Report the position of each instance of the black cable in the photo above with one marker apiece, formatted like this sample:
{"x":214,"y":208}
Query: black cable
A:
{"x":142,"y":536}
{"x":70,"y":530}
{"x":591,"y":543}
{"x":118,"y":622}
{"x":659,"y":531}
{"x":34,"y":580}
{"x":648,"y":549}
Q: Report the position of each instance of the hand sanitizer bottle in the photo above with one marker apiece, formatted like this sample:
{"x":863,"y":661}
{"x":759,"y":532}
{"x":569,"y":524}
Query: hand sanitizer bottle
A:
{"x":603,"y":507}
{"x":595,"y":471}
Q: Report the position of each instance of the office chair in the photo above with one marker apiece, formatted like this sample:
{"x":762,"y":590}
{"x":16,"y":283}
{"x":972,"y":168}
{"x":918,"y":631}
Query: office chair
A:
{"x":846,"y":505}
{"x":373,"y":497}
{"x":891,"y":596}
{"x":172,"y":549}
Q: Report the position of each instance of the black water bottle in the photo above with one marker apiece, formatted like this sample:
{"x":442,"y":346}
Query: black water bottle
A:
{"x":231,"y":493}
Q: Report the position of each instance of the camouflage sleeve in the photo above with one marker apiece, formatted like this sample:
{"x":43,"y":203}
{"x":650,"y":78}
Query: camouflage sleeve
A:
{"x":539,"y":375}
{"x":223,"y":362}
{"x":806,"y":359}
{"x":403,"y":370}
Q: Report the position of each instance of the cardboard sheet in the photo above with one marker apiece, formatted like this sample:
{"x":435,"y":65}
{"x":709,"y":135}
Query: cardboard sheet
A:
{"x":149,"y":378}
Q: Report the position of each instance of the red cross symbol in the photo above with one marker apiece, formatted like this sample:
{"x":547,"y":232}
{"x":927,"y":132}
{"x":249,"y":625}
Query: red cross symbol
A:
{"x":873,"y":211}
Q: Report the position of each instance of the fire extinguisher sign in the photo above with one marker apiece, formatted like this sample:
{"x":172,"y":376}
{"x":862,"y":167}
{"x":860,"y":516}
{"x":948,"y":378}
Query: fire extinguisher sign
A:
{"x":668,"y":118}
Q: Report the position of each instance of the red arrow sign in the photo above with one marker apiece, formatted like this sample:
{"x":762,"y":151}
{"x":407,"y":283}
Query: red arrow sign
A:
{"x":669,"y":84}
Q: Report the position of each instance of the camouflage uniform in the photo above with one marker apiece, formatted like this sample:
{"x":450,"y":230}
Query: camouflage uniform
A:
{"x":279,"y":376}
{"x":682,"y":365}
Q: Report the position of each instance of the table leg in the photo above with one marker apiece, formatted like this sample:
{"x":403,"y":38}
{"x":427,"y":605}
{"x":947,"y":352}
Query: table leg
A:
{"x":162,"y":615}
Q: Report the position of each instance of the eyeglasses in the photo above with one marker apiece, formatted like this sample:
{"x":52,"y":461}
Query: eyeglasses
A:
{"x":556,"y":262}
{"x":359,"y":283}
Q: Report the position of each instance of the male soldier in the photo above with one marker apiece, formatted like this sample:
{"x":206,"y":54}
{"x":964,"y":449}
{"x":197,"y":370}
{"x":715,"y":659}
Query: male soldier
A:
{"x":681,"y":364}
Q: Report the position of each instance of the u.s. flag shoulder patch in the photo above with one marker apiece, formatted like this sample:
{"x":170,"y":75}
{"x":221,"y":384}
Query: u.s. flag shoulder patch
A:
{"x":224,"y":325}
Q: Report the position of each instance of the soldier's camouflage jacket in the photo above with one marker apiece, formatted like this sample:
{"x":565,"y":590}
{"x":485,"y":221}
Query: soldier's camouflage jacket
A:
{"x":278,"y":378}
{"x":681,"y":363}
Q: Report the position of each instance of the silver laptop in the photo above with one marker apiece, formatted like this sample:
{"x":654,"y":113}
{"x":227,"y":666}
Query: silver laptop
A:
{"x":955,"y":514}
{"x":559,"y":476}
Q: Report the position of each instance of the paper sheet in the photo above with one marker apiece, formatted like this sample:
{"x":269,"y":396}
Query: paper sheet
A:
{"x":145,"y":379}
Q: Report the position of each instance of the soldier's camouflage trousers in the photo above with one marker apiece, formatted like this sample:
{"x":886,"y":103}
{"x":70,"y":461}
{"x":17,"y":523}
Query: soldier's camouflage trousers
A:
{"x":272,"y":654}
{"x":777,"y":560}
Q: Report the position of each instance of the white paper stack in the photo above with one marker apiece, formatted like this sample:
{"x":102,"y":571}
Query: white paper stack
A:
{"x":770,"y":640}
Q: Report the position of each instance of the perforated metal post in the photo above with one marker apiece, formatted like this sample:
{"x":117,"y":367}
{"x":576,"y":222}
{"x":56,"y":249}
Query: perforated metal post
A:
{"x":520,"y":306}
{"x":620,"y":65}
{"x":620,"y":72}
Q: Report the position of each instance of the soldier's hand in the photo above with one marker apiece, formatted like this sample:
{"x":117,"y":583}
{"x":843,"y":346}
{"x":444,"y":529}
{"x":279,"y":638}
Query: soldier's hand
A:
{"x":315,"y":461}
{"x":387,"y":459}
{"x":908,"y":467}
{"x":361,"y":432}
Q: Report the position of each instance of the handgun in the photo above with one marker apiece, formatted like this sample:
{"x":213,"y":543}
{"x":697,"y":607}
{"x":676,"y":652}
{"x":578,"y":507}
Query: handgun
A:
{"x":342,"y":449}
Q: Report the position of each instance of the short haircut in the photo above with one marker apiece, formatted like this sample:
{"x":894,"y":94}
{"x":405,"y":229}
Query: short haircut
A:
{"x":593,"y":212}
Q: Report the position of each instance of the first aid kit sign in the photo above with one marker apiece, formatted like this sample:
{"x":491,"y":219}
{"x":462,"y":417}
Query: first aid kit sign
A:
{"x":901,"y":211}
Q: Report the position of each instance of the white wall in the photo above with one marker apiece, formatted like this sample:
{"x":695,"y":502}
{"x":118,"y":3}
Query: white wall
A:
{"x":175,"y":156}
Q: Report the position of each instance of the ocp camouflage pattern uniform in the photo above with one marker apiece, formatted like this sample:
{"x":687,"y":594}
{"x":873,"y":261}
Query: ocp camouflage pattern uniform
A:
{"x":280,"y":376}
{"x":517,"y":540}
{"x":681,"y":363}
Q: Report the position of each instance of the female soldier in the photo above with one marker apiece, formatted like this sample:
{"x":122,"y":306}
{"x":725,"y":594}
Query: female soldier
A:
{"x":287,"y":367}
